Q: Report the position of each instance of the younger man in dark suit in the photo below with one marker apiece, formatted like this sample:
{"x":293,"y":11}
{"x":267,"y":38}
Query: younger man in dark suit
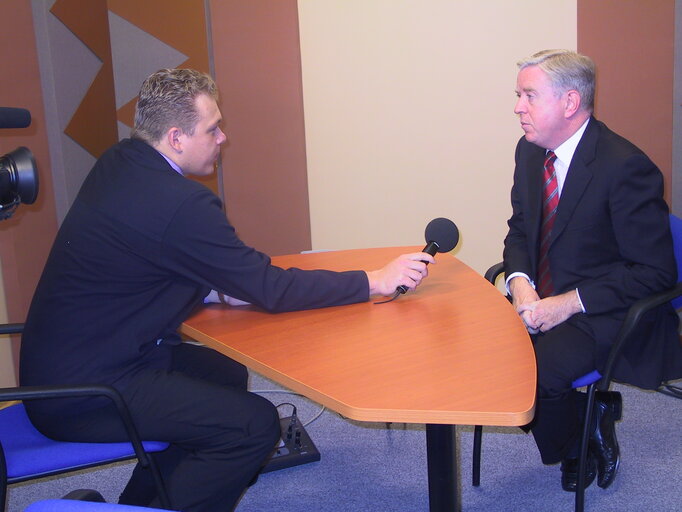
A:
{"x":140,"y":248}
{"x":589,"y":235}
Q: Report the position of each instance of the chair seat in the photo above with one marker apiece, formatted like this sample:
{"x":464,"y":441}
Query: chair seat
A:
{"x":30,"y":454}
{"x":586,"y":380}
{"x":83,"y":506}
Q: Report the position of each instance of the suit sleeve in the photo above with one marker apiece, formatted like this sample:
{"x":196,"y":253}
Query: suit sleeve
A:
{"x":201,"y":245}
{"x":516,"y":244}
{"x":644,"y":262}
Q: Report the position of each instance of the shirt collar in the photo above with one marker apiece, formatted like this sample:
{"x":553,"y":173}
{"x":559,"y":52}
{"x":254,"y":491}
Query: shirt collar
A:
{"x":171,"y":163}
{"x":566,"y":150}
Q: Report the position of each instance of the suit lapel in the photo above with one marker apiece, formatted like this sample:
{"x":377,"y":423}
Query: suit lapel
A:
{"x":578,"y":177}
{"x":535,"y":165}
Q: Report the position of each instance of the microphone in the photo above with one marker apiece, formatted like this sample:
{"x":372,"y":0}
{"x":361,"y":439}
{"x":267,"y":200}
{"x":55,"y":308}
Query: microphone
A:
{"x":441,"y":235}
{"x":14,"y":117}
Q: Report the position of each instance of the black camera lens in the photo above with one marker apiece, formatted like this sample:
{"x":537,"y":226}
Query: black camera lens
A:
{"x":18,"y":180}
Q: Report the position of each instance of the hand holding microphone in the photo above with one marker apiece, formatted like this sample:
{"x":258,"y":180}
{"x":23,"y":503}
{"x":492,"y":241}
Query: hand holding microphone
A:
{"x":441,"y":235}
{"x":409,"y":268}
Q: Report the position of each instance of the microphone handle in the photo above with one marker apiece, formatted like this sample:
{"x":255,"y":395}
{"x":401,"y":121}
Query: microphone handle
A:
{"x":430,"y":248}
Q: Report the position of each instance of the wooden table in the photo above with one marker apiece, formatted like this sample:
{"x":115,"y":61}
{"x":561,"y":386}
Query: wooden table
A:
{"x":451,"y":352}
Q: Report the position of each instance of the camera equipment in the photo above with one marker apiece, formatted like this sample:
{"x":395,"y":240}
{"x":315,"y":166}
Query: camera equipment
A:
{"x":14,"y":117}
{"x":18,"y":172}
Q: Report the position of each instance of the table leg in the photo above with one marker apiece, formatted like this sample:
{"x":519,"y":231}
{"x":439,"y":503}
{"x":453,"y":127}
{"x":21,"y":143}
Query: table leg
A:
{"x":441,"y":453}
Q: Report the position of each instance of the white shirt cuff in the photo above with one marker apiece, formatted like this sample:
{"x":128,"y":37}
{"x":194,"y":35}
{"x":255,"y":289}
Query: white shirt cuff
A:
{"x":512,"y":276}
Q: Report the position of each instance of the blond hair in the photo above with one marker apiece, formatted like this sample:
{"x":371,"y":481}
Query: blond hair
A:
{"x":167,"y":99}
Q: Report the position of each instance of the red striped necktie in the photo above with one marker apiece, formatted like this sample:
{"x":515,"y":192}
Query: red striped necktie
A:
{"x":550,"y":201}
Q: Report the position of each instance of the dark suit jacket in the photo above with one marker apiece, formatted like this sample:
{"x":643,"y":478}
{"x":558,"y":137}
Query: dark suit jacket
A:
{"x":141,"y":247}
{"x":611,"y":240}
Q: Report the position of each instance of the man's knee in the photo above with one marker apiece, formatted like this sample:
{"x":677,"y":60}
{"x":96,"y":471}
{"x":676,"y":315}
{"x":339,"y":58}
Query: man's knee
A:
{"x":240,"y":376}
{"x":562,"y":354}
{"x":264,"y":423}
{"x":552,"y":379}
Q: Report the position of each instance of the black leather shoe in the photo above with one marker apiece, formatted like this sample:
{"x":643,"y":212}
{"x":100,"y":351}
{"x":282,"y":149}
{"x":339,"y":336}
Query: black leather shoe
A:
{"x":85,"y":495}
{"x":613,"y":400}
{"x":603,"y":442}
{"x":569,"y":473}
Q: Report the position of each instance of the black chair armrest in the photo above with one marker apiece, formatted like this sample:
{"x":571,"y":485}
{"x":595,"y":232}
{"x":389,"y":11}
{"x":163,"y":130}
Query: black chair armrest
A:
{"x":493,"y":272}
{"x":634,"y":315}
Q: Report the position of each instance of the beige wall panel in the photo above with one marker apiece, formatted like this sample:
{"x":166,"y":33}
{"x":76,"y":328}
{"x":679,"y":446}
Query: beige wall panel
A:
{"x":409,"y":115}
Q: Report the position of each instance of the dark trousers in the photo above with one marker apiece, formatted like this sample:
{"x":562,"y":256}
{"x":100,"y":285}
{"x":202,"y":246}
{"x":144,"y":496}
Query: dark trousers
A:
{"x":220,"y":434}
{"x":563,"y":354}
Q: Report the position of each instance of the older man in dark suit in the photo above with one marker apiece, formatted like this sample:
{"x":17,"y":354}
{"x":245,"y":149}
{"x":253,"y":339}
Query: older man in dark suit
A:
{"x":589,"y":235}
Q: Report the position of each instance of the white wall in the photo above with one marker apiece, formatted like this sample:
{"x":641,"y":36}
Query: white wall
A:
{"x":409,"y":115}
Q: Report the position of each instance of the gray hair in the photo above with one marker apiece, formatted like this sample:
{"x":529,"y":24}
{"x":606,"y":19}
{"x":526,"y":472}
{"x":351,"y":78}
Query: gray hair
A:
{"x":566,"y":70}
{"x":167,"y":99}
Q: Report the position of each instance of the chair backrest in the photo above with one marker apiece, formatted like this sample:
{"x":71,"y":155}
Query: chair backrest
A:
{"x":676,"y":229}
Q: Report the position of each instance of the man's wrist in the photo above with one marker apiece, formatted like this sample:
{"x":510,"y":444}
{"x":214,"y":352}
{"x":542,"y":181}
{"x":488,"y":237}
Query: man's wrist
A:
{"x":577,"y":305}
{"x":371,"y":282}
{"x":515,"y":281}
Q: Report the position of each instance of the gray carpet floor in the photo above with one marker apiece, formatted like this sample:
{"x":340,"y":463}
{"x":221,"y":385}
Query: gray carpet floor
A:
{"x":375,"y":467}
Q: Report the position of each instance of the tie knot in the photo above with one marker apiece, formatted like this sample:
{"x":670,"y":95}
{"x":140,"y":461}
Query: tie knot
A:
{"x":549,"y":158}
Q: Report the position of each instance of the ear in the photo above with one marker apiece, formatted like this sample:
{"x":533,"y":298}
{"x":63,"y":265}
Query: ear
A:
{"x":174,"y":139}
{"x":572,"y":104}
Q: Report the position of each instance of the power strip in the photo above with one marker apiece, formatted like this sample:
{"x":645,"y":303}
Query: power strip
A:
{"x":294,"y":449}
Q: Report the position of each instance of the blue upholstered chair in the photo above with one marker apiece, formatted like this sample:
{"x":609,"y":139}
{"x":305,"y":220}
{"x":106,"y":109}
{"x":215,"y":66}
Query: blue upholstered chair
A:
{"x":595,"y":381}
{"x":67,"y":505}
{"x":26,"y":454}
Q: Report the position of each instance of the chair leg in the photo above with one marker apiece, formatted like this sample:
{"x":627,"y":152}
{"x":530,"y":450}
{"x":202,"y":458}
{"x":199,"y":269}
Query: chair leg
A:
{"x":584,"y":444}
{"x":160,"y":484}
{"x":476,"y":456}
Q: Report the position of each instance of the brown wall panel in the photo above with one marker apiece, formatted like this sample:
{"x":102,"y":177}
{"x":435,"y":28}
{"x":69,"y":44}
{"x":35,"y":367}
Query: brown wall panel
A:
{"x":632,"y":44}
{"x":258,"y":69}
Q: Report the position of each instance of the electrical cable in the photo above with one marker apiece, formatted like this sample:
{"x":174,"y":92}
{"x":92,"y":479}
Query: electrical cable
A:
{"x":284,"y":391}
{"x":395,"y":296}
{"x":293,"y":412}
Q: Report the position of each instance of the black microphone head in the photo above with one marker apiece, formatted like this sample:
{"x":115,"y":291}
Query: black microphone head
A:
{"x":14,"y":117}
{"x":443,"y":232}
